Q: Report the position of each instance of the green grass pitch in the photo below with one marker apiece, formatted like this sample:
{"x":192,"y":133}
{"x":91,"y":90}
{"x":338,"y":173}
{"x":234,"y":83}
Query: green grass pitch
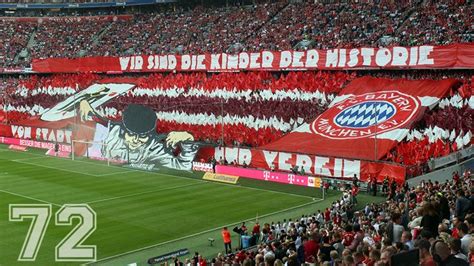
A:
{"x":139,"y":214}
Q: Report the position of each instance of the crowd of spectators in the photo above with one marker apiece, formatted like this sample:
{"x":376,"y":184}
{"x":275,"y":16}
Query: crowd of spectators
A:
{"x":441,"y":22}
{"x":13,"y":39}
{"x":199,"y":30}
{"x":274,"y":25}
{"x":432,"y":222}
{"x":60,"y":38}
{"x":330,"y":25}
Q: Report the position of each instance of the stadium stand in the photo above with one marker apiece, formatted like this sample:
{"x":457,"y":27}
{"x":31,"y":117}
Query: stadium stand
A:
{"x":74,"y":37}
{"x":13,"y":39}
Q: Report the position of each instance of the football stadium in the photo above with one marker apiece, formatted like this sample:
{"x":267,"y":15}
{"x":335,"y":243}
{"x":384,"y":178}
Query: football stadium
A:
{"x":237,"y":132}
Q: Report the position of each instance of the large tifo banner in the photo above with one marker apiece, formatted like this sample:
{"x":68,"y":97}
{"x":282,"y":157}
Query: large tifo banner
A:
{"x":366,"y":120}
{"x":132,"y":138}
{"x":397,"y":57}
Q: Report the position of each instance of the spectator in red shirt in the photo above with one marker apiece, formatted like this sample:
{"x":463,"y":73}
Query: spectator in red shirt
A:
{"x":227,"y":240}
{"x":358,"y":258}
{"x":337,"y":219}
{"x":455,"y":177}
{"x":327,"y":215}
{"x":357,"y":239}
{"x":374,"y":257}
{"x":311,"y":247}
{"x":348,"y":236}
{"x":354,"y":192}
{"x":424,"y":248}
{"x":455,"y":231}
{"x":202,"y":261}
{"x":256,"y":231}
{"x":243,"y":229}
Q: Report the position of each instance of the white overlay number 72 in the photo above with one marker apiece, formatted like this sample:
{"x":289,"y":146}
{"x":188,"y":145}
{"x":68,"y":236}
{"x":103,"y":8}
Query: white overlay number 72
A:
{"x":70,"y":248}
{"x":39,"y":214}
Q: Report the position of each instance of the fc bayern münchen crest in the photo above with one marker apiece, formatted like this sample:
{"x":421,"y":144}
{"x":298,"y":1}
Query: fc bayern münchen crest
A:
{"x":366,"y":115}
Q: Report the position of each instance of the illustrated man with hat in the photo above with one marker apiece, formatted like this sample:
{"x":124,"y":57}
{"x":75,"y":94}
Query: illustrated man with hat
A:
{"x":135,"y":140}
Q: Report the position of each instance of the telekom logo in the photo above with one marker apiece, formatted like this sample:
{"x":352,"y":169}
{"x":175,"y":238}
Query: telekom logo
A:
{"x":266,"y":175}
{"x":291,"y":178}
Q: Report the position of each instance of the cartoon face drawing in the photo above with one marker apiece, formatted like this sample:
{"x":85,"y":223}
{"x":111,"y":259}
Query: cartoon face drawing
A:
{"x":138,"y":124}
{"x":135,"y":141}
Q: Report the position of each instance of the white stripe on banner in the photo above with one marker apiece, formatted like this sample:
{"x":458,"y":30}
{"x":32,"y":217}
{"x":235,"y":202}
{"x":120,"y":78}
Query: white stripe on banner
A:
{"x":246,"y":95}
{"x":339,"y":98}
{"x":428,"y":101}
{"x":211,"y":119}
{"x":24,"y":92}
{"x":396,"y":135}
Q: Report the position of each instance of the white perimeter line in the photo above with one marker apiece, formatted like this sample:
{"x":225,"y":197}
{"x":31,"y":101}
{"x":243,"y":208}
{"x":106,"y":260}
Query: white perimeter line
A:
{"x":261,"y":189}
{"x":203,"y":232}
{"x":144,"y":192}
{"x":31,"y":198}
{"x":51,"y":167}
{"x":40,"y":157}
{"x":27,"y":159}
{"x":114,"y":173}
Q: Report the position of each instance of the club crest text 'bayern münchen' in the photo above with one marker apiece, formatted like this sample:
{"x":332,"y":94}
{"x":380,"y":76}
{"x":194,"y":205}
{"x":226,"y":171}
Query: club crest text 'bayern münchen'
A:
{"x":366,"y":115}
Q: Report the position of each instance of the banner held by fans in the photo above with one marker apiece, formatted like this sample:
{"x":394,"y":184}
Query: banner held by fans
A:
{"x":397,"y":57}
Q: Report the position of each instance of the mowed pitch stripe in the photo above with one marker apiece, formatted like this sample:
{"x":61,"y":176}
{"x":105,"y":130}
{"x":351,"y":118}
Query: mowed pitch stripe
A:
{"x":144,"y":192}
{"x":28,"y":161}
{"x":27,"y":197}
{"x":51,"y":167}
{"x":117,"y":187}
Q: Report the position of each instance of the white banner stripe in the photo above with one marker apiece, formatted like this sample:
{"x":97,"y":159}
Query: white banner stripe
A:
{"x":211,"y":119}
{"x":246,"y":95}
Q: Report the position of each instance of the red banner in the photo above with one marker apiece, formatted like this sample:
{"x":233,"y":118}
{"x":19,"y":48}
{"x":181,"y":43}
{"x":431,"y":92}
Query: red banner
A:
{"x":312,"y":165}
{"x":368,"y":118}
{"x":417,"y":57}
{"x":61,"y":135}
